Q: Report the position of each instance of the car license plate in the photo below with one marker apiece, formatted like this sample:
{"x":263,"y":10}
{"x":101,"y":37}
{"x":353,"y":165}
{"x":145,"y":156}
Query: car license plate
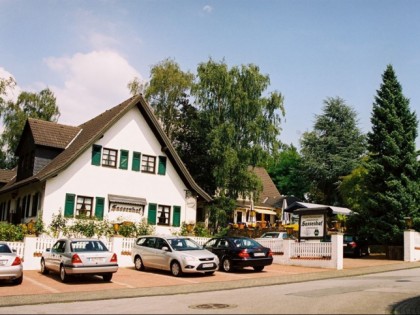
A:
{"x":3,"y":262}
{"x":207,"y":265}
{"x":259,"y":254}
{"x":96,"y":259}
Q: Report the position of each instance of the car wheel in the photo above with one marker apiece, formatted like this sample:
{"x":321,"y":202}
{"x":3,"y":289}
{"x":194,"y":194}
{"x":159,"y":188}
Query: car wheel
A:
{"x":258,"y":268}
{"x":63,"y":275}
{"x":138,"y":263}
{"x":18,"y":280}
{"x":176,"y":269}
{"x":107,"y":277}
{"x":226,"y":265}
{"x":44,"y":269}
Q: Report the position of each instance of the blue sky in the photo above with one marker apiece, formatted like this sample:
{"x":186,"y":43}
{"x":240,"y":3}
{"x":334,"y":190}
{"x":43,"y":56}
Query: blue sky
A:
{"x":87,"y":51}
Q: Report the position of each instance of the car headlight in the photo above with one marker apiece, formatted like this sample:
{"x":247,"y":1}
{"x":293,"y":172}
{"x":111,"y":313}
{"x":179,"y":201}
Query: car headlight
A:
{"x":190,"y":258}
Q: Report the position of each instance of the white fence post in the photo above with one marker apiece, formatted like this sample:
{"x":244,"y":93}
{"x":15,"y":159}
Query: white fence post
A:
{"x":409,"y":245}
{"x":30,"y":262}
{"x":337,"y":250}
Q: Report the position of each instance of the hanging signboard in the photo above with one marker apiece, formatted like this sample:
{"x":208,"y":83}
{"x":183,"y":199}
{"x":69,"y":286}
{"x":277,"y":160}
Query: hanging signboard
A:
{"x":312,"y":225}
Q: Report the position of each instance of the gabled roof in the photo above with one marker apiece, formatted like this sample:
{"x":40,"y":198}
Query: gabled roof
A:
{"x":92,"y":130}
{"x":269,"y":196}
{"x":313,"y":206}
{"x":7,"y":175}
{"x":51,"y":134}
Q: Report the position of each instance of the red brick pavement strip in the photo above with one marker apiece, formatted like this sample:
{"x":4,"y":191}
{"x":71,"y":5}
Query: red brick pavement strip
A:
{"x":127,"y":282}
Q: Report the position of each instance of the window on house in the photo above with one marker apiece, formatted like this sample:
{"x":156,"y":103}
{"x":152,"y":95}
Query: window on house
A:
{"x":164,"y":213}
{"x":109,"y":157}
{"x":84,"y":206}
{"x":148,"y":164}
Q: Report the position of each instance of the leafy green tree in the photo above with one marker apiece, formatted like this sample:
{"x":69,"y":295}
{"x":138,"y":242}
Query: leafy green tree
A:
{"x":40,"y":105}
{"x":333,"y":149}
{"x":287,"y":172}
{"x":167,"y":89}
{"x":392,"y":170}
{"x":242,"y":125}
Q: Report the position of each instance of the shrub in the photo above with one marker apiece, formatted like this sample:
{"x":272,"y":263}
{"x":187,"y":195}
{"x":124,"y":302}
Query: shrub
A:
{"x":12,"y":233}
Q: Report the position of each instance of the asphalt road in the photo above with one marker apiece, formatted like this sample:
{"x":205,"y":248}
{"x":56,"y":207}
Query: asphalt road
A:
{"x":220,"y":293}
{"x":375,"y":293}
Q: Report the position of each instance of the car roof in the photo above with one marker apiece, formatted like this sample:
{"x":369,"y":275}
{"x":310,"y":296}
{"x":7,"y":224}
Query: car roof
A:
{"x":78,"y":239}
{"x":165,"y":236}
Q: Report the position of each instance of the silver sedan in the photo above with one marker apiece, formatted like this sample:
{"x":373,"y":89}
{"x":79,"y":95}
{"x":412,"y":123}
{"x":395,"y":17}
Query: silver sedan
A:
{"x":10,"y":264}
{"x":79,"y":257}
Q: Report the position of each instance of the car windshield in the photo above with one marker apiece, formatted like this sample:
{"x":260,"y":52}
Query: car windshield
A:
{"x":348,"y":238}
{"x":87,"y":246}
{"x":246,"y":243}
{"x":181,"y":244}
{"x":4,"y":248}
{"x":270,"y":235}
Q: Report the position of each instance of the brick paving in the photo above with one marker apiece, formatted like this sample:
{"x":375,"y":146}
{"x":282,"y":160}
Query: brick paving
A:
{"x":127,"y":282}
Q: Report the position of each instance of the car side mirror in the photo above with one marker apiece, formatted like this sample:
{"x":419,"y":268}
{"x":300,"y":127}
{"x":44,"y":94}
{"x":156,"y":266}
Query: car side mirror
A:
{"x":48,"y":250}
{"x":14,"y":250}
{"x":166,"y":248}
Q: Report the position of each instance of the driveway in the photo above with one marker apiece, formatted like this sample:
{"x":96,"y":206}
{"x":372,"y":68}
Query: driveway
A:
{"x":34,"y":283}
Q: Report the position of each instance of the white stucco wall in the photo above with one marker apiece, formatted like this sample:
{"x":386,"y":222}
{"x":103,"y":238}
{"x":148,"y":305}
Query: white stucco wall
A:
{"x":130,"y":133}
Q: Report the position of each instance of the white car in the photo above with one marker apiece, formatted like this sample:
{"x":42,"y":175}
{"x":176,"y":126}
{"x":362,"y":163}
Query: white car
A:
{"x":10,"y":264}
{"x":281,"y":235}
{"x":176,"y":254}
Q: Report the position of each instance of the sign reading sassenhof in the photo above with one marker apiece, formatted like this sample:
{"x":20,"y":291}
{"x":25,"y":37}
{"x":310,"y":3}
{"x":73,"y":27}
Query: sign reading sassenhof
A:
{"x":312,"y":225}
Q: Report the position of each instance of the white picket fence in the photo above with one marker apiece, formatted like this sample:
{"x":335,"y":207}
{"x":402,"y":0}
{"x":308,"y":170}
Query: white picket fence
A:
{"x":287,"y":252}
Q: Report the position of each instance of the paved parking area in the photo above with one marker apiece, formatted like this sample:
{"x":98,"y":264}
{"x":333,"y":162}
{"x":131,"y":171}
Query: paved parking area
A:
{"x":129,"y":278}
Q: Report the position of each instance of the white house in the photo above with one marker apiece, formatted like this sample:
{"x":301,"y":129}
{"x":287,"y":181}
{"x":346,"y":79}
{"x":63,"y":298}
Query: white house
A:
{"x":119,"y":165}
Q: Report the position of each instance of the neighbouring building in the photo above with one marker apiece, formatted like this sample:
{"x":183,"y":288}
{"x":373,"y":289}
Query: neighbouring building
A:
{"x":118,"y":166}
{"x":269,"y":206}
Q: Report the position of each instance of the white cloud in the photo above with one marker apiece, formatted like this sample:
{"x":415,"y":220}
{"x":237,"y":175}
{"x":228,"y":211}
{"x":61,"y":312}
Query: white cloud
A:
{"x":207,"y":8}
{"x":93,"y":83}
{"x":11,"y":94}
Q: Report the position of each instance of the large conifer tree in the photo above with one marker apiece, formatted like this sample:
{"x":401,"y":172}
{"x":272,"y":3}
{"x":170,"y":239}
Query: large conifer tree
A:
{"x":392,"y":176}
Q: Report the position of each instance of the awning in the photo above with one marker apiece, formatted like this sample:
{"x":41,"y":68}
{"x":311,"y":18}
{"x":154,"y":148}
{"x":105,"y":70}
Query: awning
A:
{"x":312,"y":206}
{"x":266,"y":211}
{"x":127,"y":200}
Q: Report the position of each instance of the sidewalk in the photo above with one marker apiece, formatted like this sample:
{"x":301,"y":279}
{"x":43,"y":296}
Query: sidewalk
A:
{"x":352,"y":267}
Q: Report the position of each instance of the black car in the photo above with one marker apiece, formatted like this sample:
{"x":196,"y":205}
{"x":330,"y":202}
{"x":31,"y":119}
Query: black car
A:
{"x":354,"y":246}
{"x":239,"y":252}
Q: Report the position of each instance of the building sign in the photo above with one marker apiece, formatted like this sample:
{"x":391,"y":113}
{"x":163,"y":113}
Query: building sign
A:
{"x":126,"y":208}
{"x":312,"y":225}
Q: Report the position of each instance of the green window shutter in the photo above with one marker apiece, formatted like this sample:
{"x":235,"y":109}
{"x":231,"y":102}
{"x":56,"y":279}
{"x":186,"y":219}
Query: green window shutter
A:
{"x":99,"y":208}
{"x":136,"y":161}
{"x":69,"y":206}
{"x":162,"y":165}
{"x":123,"y":159}
{"x":96,"y":154}
{"x":151,"y":217}
{"x":176,"y":220}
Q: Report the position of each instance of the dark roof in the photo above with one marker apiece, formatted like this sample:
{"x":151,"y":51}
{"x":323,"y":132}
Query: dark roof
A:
{"x":51,"y":134}
{"x":92,"y":130}
{"x":7,"y":175}
{"x":297,"y":206}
